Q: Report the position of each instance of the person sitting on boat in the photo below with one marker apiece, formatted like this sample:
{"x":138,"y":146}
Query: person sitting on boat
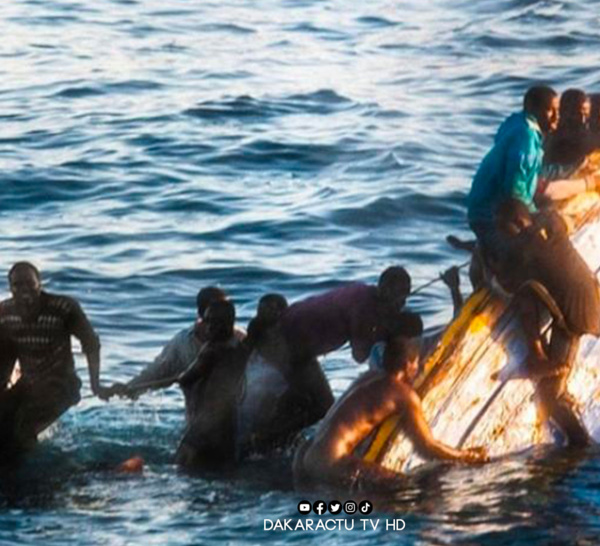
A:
{"x":212,"y":387}
{"x":177,"y":354}
{"x":40,"y":326}
{"x":572,"y":141}
{"x":534,"y":243}
{"x":356,"y":313}
{"x":328,"y":459}
{"x":512,"y":169}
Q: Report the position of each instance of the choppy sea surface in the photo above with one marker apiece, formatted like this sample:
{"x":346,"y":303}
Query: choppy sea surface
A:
{"x":149,"y":148}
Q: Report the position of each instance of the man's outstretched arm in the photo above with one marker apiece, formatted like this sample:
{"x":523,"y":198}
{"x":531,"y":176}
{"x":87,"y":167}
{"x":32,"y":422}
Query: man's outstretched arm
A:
{"x":427,"y":446}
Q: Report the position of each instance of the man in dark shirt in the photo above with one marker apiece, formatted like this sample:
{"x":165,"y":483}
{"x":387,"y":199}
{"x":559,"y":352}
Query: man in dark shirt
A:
{"x":356,"y":313}
{"x":40,"y":326}
{"x":539,"y":250}
{"x":573,"y":140}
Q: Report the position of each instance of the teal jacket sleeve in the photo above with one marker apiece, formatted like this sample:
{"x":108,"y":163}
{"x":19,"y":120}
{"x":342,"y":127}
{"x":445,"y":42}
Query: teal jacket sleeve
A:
{"x":522,"y":169}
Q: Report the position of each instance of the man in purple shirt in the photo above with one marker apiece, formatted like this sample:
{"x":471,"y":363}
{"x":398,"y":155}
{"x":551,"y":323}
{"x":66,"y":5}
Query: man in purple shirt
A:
{"x":357,"y":313}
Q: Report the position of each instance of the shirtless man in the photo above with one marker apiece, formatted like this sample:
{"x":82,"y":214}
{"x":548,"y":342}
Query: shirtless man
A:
{"x":328,"y":458}
{"x":211,"y":386}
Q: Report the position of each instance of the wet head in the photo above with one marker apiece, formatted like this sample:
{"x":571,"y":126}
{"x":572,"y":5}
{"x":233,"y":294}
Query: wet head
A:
{"x":208,"y":295}
{"x":219,"y":319}
{"x":542,"y":103}
{"x":575,"y":107}
{"x":26,"y":287}
{"x":270,"y":308}
{"x":393,"y":287}
{"x":401,"y":358}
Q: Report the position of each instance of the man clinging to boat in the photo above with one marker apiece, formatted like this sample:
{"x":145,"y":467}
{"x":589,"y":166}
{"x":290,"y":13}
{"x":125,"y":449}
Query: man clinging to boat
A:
{"x":534,"y":244}
{"x":39,"y":326}
{"x":356,"y":313}
{"x":510,"y":173}
{"x":573,"y":140}
{"x":328,"y":459}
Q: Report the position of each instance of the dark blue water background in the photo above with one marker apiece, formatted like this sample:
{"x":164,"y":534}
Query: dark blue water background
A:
{"x":149,"y":148}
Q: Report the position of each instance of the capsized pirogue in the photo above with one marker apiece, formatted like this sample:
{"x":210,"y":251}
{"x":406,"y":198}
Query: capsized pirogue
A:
{"x":463,"y":404}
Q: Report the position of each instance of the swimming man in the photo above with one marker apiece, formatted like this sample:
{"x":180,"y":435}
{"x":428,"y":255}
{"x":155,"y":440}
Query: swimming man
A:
{"x":328,"y":458}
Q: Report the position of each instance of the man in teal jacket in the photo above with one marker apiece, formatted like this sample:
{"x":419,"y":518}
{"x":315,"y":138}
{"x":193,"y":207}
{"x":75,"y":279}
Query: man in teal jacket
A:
{"x":512,"y":167}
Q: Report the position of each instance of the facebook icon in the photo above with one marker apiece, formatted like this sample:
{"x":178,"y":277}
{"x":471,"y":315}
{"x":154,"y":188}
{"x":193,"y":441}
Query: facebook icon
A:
{"x":319,"y":507}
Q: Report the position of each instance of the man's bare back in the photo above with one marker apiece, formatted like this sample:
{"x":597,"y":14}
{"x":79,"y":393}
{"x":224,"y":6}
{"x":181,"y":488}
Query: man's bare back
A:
{"x":328,"y":458}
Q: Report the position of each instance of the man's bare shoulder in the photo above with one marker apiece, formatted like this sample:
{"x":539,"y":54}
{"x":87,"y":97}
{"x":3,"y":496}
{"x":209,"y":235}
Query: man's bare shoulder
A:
{"x":403,"y":395}
{"x":382,"y":386}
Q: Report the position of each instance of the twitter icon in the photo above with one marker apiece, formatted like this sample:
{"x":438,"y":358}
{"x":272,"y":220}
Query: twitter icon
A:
{"x":335,"y":507}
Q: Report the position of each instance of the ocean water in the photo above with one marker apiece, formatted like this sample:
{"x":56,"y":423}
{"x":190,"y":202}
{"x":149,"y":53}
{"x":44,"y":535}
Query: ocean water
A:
{"x":150,"y":148}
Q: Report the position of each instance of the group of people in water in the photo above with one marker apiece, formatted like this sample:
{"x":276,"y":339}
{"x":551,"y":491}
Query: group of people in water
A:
{"x":254,"y":391}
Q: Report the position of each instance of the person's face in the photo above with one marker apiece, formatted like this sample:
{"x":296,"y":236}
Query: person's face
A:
{"x":394,"y":297}
{"x":585,"y":111}
{"x":269,"y":311}
{"x":411,"y":370}
{"x":547,"y":116}
{"x":26,"y":289}
{"x":217,"y":326}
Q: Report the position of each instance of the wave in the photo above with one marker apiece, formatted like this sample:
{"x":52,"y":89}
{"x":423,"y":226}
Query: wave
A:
{"x":322,"y":102}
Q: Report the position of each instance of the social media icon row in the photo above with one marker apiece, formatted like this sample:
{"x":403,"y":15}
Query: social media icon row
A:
{"x":335,"y":507}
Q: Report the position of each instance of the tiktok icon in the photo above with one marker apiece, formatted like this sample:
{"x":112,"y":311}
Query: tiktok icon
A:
{"x":365,"y":507}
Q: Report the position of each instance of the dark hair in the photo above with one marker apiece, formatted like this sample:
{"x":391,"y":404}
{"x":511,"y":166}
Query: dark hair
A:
{"x":24,"y":265}
{"x":571,"y":102}
{"x":268,"y":313}
{"x":394,"y":279}
{"x":404,"y":324}
{"x":208,"y":295}
{"x":398,"y":352}
{"x":538,"y":97}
